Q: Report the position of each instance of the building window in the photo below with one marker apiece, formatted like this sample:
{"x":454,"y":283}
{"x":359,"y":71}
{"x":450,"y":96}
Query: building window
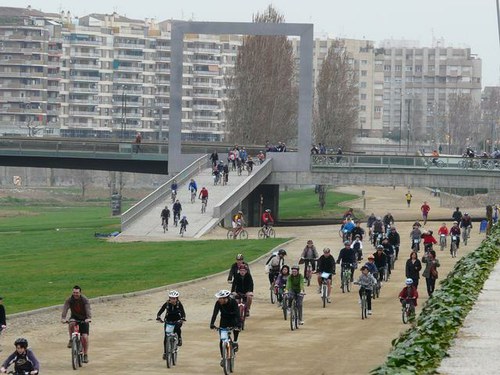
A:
{"x":362,"y":85}
{"x":397,"y":68}
{"x":363,"y":96}
{"x":364,"y":73}
{"x":387,"y":68}
{"x":362,"y":108}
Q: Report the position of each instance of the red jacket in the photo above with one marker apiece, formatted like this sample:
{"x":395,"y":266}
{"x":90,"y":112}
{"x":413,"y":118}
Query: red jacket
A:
{"x":267,"y":218}
{"x":429,"y":238}
{"x":409,"y":292}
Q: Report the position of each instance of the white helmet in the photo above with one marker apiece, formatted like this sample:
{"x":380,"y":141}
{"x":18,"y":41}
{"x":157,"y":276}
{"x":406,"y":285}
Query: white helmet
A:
{"x":223,"y":293}
{"x":409,"y":281}
{"x":173,"y":294}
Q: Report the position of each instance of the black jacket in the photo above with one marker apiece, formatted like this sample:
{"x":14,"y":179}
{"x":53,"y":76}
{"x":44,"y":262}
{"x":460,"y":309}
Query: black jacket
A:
{"x":326,"y":264}
{"x":229,"y":314}
{"x":242,"y":284}
{"x":174,"y":312}
{"x":413,"y":269}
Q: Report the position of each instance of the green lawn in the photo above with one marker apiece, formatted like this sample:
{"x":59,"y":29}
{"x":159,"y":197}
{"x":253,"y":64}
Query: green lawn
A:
{"x":304,"y":204}
{"x":40,"y":264}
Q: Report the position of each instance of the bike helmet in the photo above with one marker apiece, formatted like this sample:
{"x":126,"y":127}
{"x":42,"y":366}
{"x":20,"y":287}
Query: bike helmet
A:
{"x":184,"y":217}
{"x":357,"y":236}
{"x":455,"y":222}
{"x":173,"y":294}
{"x":326,"y":250}
{"x":347,"y":242}
{"x":240,"y":212}
{"x":223,"y":293}
{"x":380,"y":247}
{"x":239,"y":257}
{"x":281,"y":252}
{"x":268,"y":210}
{"x":22,"y":342}
{"x":295,"y":267}
{"x":409,"y":281}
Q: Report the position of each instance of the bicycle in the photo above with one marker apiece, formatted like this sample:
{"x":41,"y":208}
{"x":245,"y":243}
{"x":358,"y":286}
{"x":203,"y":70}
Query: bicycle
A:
{"x":228,"y":352}
{"x":415,"y":244}
{"x":408,"y":310}
{"x":177,"y":216}
{"x":466,"y":234}
{"x":170,"y":343}
{"x":237,"y":233}
{"x":76,"y":344}
{"x":225,"y":177}
{"x":294,"y":314}
{"x":345,"y":278}
{"x":308,"y":269}
{"x":183,"y":229}
{"x":193,"y":195}
{"x":284,"y":302}
{"x":454,"y":246}
{"x":273,"y":295}
{"x":442,"y":241}
{"x":266,"y":232}
{"x":242,"y":307}
{"x":376,"y":287}
{"x":204,"y":205}
{"x":364,"y":304}
{"x":430,"y":162}
{"x":164,"y":224}
{"x":325,"y":280}
{"x":173,"y":195}
{"x":386,"y":274}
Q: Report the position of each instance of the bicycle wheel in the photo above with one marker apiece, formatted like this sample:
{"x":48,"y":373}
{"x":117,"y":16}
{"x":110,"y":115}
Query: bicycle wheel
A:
{"x":174,"y":351}
{"x":404,"y":315}
{"x":342,"y":282}
{"x":271,"y":233}
{"x":453,"y":250}
{"x":464,"y":237}
{"x":348,"y":282}
{"x":74,"y":353}
{"x":293,"y":313}
{"x":284,"y":308}
{"x":243,"y":235}
{"x":229,"y":234}
{"x":324,"y":293}
{"x":364,"y":306}
{"x":168,"y":352}
{"x":272,"y":295}
{"x":226,"y":358}
{"x":261,"y":234}
{"x":377,"y":290}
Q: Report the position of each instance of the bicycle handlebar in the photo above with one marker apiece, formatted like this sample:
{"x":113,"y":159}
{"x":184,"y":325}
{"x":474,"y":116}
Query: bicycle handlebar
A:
{"x":76,"y":321}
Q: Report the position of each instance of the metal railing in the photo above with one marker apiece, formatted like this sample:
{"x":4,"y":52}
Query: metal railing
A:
{"x":162,"y":193}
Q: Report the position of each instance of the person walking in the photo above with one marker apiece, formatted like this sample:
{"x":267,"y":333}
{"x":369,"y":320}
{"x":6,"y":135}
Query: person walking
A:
{"x":3,"y":320}
{"x":430,"y":273}
{"x":413,"y":268}
{"x":425,"y":208}
{"x":138,"y":140}
{"x":408,"y":197}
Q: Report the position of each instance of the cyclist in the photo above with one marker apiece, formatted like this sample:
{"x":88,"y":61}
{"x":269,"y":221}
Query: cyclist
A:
{"x":357,"y":246}
{"x":280,"y":283}
{"x":326,"y":263}
{"x":242,"y":287}
{"x":394,"y":240}
{"x":347,"y":257}
{"x":192,"y":187}
{"x":380,"y":261}
{"x":371,"y":219}
{"x":79,"y":305}
{"x":184,"y":223}
{"x":24,"y":359}
{"x":309,"y":256}
{"x":358,"y":230}
{"x":177,"y":208}
{"x":378,"y":230}
{"x":466,"y":222}
{"x":295,"y":289}
{"x":408,"y":293}
{"x":229,"y":316}
{"x":267,"y":220}
{"x":455,"y":231}
{"x":274,"y":264}
{"x":214,"y":157}
{"x":225,"y":173}
{"x":389,"y":253}
{"x":415,"y":235}
{"x":250,"y":163}
{"x":174,"y":313}
{"x":366,"y":281}
{"x":388,"y":221}
{"x":173,"y":189}
{"x":435,"y":157}
{"x":372,"y":268}
{"x":237,"y":222}
{"x":457,"y":215}
{"x":203,"y":195}
{"x":261,"y":156}
{"x":443,"y":231}
{"x":165,"y":215}
{"x":233,"y":271}
{"x":428,"y":240}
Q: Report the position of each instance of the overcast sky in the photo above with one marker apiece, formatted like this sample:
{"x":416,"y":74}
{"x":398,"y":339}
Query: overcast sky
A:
{"x":462,"y":23}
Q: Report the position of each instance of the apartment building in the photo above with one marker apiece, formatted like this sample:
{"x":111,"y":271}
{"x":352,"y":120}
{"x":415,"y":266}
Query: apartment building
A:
{"x":30,"y":48}
{"x":369,"y":76}
{"x":417,"y":84}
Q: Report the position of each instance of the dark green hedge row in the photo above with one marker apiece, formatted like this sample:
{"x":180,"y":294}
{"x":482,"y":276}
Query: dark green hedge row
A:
{"x":421,"y":348}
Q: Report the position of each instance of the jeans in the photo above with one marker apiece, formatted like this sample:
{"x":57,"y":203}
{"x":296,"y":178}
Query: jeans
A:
{"x":431,"y":284}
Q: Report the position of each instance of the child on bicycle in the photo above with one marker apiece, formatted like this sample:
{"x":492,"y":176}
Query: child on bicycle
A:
{"x":366,"y":281}
{"x":409,"y":293}
{"x":280,"y":283}
{"x":295,"y":289}
{"x":24,"y":359}
{"x":165,"y":215}
{"x":184,"y":223}
{"x":174,"y":313}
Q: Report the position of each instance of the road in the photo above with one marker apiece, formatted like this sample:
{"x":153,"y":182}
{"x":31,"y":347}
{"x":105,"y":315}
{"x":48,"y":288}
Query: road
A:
{"x":334,"y":340}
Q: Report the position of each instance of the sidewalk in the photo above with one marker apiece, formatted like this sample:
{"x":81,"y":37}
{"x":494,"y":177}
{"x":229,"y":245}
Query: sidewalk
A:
{"x":475,"y":350}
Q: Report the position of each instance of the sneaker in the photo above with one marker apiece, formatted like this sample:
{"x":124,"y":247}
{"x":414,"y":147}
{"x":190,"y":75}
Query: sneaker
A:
{"x":359,"y":301}
{"x":164,"y":356}
{"x":179,"y":342}
{"x":247,"y":314}
{"x":69,"y":344}
{"x":369,"y":312}
{"x":319,"y":290}
{"x":328,"y":300}
{"x":301,"y":323}
{"x":85,"y":358}
{"x":222,"y":363}
{"x":235,"y":346}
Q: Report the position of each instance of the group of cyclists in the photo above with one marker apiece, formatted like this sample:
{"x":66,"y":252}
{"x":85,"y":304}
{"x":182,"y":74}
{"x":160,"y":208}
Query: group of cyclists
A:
{"x":238,"y":160}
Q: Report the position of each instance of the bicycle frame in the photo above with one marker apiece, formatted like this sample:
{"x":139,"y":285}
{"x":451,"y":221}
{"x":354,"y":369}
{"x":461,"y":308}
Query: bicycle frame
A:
{"x":170,"y":344}
{"x":228,"y":354}
{"x":242,"y":306}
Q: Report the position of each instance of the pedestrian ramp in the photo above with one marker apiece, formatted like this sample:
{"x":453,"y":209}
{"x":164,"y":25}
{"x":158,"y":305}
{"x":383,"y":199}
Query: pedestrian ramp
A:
{"x":222,"y":201}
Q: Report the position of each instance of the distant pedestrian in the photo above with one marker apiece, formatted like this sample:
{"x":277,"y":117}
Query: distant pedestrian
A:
{"x":214,"y":158}
{"x":408,"y":197}
{"x":3,"y":321}
{"x":425,"y":208}
{"x":138,"y":140}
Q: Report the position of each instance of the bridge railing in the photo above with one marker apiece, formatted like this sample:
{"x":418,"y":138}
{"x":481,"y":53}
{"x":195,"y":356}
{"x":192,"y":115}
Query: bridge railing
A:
{"x":322,"y":161}
{"x":162,"y":193}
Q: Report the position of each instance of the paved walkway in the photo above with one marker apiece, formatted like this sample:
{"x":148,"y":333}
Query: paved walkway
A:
{"x":148,"y":227}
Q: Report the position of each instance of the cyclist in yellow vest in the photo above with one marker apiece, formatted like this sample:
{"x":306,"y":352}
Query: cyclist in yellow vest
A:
{"x":408,"y":198}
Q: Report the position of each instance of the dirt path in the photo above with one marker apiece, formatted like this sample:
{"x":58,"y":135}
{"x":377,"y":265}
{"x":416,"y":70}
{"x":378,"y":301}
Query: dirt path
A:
{"x":334,"y":340}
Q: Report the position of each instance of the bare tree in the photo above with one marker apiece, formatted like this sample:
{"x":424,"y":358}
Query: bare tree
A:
{"x":262,"y":95}
{"x":463,"y":121}
{"x":336,"y":102}
{"x":490,"y":113}
{"x":83,"y":179}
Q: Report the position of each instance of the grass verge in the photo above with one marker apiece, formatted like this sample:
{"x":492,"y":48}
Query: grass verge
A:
{"x":420,"y":349}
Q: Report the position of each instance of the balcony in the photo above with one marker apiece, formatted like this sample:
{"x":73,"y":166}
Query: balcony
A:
{"x":130,"y":46}
{"x":85,"y":66}
{"x":130,"y":57}
{"x":205,"y":107}
{"x":84,"y":101}
{"x":85,"y":78}
{"x":22,"y":62}
{"x":23,"y":38}
{"x":83,"y":89}
{"x":93,"y":55}
{"x":83,"y":113}
{"x":127,"y":80}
